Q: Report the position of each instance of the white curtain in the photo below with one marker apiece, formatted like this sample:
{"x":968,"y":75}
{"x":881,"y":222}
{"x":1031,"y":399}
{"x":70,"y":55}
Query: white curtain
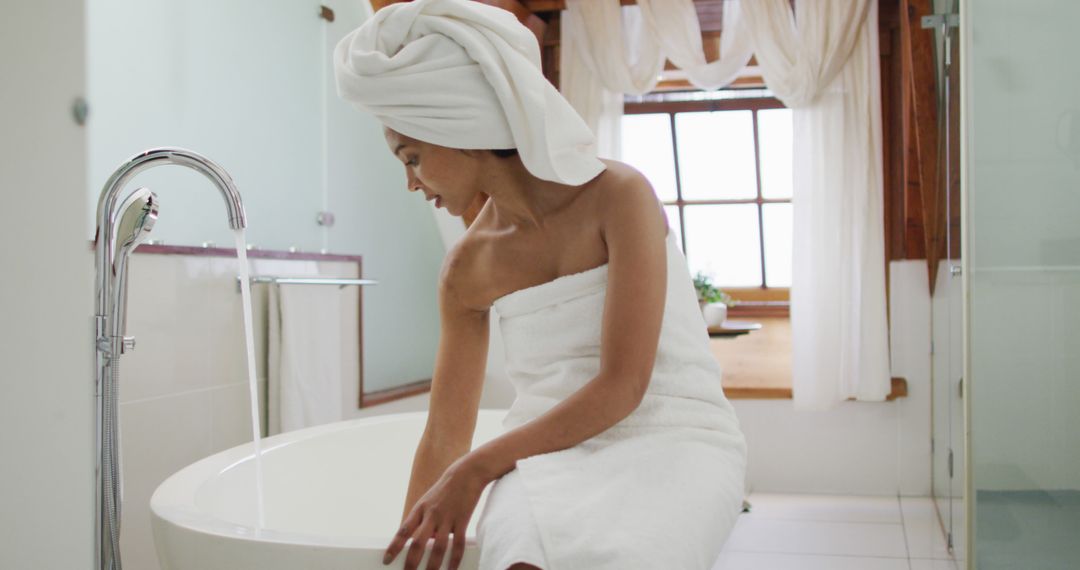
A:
{"x":822,"y":62}
{"x":599,"y":62}
{"x":676,"y":27}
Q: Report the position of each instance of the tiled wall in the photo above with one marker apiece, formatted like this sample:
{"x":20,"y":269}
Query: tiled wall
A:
{"x":184,"y":390}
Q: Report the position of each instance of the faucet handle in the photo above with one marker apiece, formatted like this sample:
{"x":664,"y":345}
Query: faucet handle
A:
{"x":127,"y":345}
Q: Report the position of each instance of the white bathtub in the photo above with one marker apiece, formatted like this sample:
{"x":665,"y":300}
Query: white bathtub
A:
{"x":333,"y":498}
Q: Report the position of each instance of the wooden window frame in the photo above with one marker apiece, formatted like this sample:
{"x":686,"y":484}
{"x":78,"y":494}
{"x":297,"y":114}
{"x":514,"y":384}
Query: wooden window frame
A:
{"x":753,"y":301}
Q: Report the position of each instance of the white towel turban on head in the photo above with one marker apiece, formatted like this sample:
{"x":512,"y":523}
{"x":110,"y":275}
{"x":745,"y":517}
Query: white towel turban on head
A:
{"x":461,"y":74}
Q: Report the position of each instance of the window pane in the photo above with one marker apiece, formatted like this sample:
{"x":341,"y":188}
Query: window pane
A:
{"x":777,"y":221}
{"x":646,"y":145}
{"x":672,"y":213}
{"x":716,"y":155}
{"x":774,"y":138}
{"x":722,"y":242}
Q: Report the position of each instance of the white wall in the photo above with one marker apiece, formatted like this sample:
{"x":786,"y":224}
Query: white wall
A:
{"x":857,"y":448}
{"x":910,"y":316}
{"x":46,"y":412}
{"x":184,"y":391}
{"x":238,"y":81}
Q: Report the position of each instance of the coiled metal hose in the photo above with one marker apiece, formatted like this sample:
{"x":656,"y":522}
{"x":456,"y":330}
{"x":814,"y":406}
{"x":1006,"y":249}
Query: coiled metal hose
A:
{"x":110,"y":464}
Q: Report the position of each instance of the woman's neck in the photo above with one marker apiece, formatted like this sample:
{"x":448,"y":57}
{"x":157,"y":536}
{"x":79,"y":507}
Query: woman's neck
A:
{"x":522,"y":200}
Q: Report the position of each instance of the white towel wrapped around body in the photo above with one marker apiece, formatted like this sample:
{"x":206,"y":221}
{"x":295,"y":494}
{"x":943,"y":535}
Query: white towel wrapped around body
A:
{"x":462,"y":74}
{"x":660,"y":489}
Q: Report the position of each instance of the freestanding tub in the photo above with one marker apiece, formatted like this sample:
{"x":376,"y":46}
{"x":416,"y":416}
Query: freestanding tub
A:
{"x":333,"y":498}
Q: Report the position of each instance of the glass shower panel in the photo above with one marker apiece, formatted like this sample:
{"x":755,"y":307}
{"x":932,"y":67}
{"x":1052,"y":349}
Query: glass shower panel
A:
{"x":1022,"y":215}
{"x":947,"y":298}
{"x":954,"y":384}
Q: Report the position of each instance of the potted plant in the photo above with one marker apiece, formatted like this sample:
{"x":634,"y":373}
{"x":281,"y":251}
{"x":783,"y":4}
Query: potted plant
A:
{"x":713,"y":302}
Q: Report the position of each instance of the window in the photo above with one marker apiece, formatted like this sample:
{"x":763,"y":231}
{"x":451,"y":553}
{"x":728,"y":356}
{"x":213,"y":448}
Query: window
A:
{"x":723,"y":169}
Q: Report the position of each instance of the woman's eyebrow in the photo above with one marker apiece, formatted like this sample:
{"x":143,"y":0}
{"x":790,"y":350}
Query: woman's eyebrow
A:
{"x":399,"y":147}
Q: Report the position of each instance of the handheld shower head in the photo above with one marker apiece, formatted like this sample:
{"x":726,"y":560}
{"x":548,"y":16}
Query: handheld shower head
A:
{"x":131,"y":227}
{"x":138,"y":212}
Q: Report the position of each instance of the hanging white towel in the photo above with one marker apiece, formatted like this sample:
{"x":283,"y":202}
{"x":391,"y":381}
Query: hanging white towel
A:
{"x":310,"y":354}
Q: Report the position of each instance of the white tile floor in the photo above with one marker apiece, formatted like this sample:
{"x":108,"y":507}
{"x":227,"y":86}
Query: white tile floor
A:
{"x":829,"y":532}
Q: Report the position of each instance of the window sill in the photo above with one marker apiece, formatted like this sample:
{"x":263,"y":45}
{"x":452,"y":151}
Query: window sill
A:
{"x":899,"y":390}
{"x":760,"y":309}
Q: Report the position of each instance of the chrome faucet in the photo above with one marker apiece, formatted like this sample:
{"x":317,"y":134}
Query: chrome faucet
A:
{"x":122,"y":225}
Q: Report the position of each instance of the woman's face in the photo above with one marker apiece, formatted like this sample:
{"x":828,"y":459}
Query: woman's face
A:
{"x":445,"y":175}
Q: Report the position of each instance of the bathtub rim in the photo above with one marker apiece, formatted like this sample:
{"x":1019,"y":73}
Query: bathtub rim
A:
{"x":173,"y":501}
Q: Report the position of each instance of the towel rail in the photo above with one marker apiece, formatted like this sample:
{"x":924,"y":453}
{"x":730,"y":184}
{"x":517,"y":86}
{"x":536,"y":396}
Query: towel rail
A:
{"x":339,"y":281}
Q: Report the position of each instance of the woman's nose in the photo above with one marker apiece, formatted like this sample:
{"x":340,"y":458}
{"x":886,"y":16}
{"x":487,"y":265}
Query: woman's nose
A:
{"x":411,"y":182}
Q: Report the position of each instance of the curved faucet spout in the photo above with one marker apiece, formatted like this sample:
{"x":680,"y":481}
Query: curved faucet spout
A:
{"x":183,"y":157}
{"x":110,"y":195}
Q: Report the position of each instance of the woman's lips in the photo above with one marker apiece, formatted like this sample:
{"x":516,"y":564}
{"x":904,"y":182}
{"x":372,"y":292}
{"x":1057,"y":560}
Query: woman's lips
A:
{"x":438,"y":200}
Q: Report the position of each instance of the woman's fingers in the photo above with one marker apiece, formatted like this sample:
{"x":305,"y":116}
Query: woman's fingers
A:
{"x":438,"y":551}
{"x":403,"y":534}
{"x":419,"y":543}
{"x":457,"y":551}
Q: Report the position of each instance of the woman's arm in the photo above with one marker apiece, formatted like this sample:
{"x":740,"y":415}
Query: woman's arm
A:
{"x":634,"y":228}
{"x":456,"y":385}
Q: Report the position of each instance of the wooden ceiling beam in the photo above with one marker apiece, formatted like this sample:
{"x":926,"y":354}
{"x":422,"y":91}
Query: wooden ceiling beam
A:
{"x":919,"y":62}
{"x":556,"y":5}
{"x":710,"y":12}
{"x":524,"y":15}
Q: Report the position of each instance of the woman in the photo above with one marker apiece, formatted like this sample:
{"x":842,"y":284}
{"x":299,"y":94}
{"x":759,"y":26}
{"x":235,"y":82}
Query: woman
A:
{"x":621,"y":450}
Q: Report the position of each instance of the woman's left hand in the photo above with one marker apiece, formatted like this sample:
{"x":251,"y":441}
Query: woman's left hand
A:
{"x":444,"y":510}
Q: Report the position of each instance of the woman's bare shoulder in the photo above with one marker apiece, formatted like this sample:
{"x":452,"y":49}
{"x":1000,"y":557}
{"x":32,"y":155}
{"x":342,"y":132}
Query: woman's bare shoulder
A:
{"x":623,"y":191}
{"x":620,"y":172}
{"x":460,"y":276}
